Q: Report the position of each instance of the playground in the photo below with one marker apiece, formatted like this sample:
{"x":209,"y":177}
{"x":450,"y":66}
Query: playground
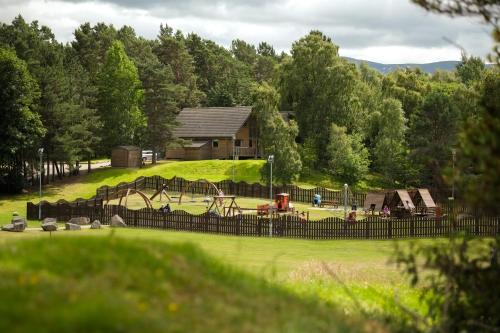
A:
{"x":200,"y":203}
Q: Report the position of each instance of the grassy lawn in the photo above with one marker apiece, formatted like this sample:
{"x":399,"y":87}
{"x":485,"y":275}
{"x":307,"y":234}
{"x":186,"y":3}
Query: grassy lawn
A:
{"x":362,"y":281}
{"x":118,"y":284}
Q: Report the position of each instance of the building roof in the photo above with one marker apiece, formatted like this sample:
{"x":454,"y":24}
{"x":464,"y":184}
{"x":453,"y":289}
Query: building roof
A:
{"x":374,"y":198}
{"x":211,"y":122}
{"x":128,"y":147}
{"x":427,"y":198}
{"x":405,"y":199}
{"x":196,"y":144}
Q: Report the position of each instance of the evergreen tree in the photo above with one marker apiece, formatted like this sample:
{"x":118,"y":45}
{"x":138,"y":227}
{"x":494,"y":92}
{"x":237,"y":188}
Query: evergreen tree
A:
{"x":21,"y":126}
{"x":119,"y":98}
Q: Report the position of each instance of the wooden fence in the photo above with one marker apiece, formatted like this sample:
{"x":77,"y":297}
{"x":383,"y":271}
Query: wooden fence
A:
{"x":284,"y":226}
{"x":242,"y":189}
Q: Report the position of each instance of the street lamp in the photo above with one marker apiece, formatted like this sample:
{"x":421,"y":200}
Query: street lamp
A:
{"x":453,"y":154}
{"x":270,"y":159}
{"x":234,"y":139}
{"x":40,"y":152}
{"x":345,"y":202}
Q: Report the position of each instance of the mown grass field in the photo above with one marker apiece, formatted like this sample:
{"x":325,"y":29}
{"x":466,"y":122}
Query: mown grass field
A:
{"x":115,"y":284}
{"x":354,"y":276}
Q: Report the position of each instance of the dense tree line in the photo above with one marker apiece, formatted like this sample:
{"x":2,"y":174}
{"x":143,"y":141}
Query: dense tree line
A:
{"x":111,"y":87}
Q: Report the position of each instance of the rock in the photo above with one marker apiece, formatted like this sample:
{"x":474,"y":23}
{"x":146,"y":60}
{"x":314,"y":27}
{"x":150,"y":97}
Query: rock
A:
{"x":8,"y":227}
{"x":49,"y":226}
{"x":49,"y":220}
{"x":79,"y":220}
{"x":14,"y":227}
{"x":117,"y":221}
{"x":96,"y":225}
{"x":20,"y":220}
{"x":20,"y":225}
{"x":72,"y":226}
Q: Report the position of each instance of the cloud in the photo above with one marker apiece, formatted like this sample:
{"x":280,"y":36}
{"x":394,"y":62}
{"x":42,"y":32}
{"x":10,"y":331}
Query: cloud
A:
{"x":379,"y":30}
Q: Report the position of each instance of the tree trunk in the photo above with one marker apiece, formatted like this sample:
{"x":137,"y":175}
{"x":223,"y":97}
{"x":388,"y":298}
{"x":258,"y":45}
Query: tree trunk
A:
{"x":77,"y":169}
{"x":153,"y":158}
{"x":62,"y":169}
{"x":53,"y":171}
{"x":47,"y":179}
{"x":58,"y":170}
{"x":89,"y":167}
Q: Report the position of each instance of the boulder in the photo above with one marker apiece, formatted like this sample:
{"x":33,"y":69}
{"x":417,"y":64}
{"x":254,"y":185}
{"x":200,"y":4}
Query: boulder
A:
{"x":79,"y":220}
{"x":49,"y":226}
{"x":8,"y":227}
{"x":14,"y":227}
{"x":72,"y":226}
{"x":117,"y":221}
{"x":49,"y":220}
{"x":19,"y":220}
{"x":96,"y":225}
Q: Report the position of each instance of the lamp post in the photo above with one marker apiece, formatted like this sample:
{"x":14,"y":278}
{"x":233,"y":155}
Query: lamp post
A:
{"x":270,"y":159}
{"x":345,"y":202}
{"x":234,"y":138}
{"x":453,"y":154}
{"x":40,"y":152}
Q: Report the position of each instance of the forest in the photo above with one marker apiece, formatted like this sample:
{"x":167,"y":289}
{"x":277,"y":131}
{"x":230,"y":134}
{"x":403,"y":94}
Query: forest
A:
{"x":110,"y":87}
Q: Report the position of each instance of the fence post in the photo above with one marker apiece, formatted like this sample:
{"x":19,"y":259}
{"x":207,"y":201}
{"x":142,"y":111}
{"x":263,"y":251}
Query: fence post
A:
{"x":367,"y":228}
{"x":238,"y":231}
{"x":389,"y":228}
{"x":412,"y":227}
{"x":135,"y":218}
{"x":476,"y":224}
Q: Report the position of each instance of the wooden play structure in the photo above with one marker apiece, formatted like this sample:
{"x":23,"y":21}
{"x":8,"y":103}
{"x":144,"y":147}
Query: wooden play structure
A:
{"x":423,"y":201}
{"x":219,"y":202}
{"x":162,"y":192}
{"x":374,"y":202}
{"x":209,"y":189}
{"x":125,"y":194}
{"x":400,"y":203}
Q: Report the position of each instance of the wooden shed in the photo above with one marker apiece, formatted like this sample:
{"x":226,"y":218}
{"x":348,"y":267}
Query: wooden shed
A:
{"x":423,"y":201}
{"x":126,"y":157}
{"x":374,"y":202}
{"x":400,"y":203}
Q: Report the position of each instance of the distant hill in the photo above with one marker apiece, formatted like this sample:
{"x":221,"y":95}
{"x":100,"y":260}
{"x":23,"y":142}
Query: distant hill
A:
{"x":429,"y":68}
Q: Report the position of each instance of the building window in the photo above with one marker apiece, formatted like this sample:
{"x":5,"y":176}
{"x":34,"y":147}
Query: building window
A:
{"x":237,"y":143}
{"x":215,"y":143}
{"x":250,"y":143}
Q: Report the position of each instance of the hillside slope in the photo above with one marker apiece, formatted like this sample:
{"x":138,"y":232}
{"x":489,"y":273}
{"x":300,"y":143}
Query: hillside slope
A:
{"x":109,"y":284}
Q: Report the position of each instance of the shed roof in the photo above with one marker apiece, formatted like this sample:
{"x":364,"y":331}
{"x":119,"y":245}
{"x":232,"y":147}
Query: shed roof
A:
{"x":405,"y":199}
{"x":374,"y":198}
{"x":427,"y":198}
{"x":128,"y":147}
{"x":211,"y":122}
{"x":196,"y":144}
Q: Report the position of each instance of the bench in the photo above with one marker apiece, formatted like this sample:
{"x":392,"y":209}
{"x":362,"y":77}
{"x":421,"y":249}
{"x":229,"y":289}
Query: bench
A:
{"x":332,"y":203}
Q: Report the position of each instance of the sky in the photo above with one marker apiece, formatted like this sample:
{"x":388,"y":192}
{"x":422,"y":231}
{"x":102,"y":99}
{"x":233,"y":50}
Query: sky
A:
{"x":386,"y":31}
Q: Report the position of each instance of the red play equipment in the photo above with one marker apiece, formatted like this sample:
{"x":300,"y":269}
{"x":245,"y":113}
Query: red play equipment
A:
{"x":282,"y":202}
